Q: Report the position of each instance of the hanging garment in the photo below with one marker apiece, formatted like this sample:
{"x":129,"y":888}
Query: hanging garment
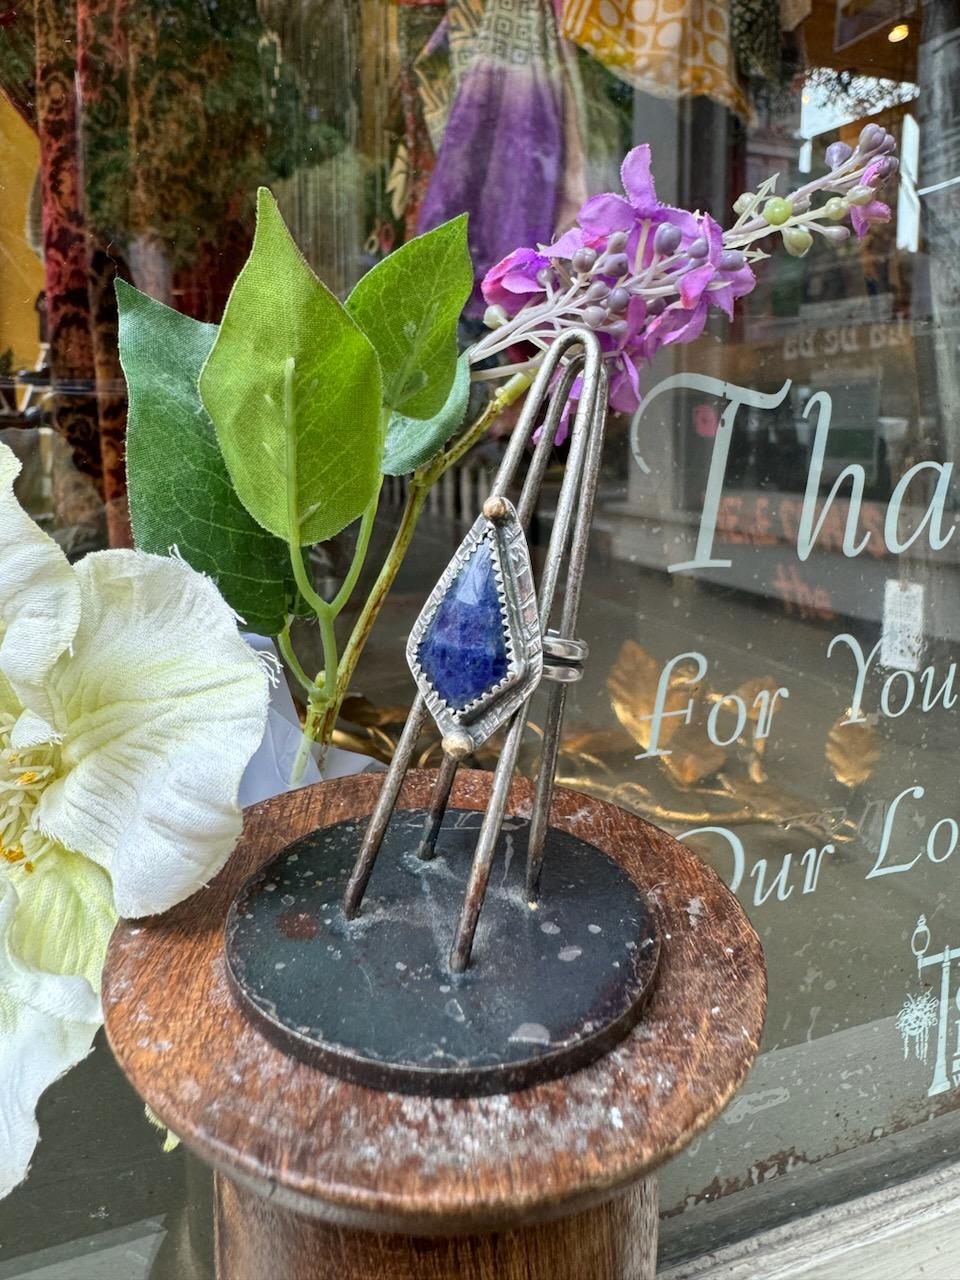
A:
{"x":414,"y":157}
{"x":668,"y":48}
{"x":74,"y":267}
{"x":442,"y":61}
{"x":413,"y":160}
{"x":504,"y":148}
{"x":156,"y":121}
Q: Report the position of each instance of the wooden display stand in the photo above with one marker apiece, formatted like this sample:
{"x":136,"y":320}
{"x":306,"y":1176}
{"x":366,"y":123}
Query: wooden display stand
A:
{"x":325,"y":1180}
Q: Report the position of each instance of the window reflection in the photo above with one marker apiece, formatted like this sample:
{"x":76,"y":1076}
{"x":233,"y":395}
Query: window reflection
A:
{"x":134,"y":135}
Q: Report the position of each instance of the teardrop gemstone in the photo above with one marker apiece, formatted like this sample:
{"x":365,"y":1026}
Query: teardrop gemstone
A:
{"x":463,"y":652}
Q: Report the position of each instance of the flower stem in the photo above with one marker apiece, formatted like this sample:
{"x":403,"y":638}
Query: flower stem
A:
{"x":314,"y":711}
{"x":318,"y":698}
{"x":420,"y":484}
{"x":316,"y":602}
{"x":285,"y":646}
{"x":359,"y":553}
{"x":505,"y":396}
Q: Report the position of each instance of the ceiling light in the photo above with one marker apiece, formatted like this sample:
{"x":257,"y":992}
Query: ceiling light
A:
{"x":898,"y":33}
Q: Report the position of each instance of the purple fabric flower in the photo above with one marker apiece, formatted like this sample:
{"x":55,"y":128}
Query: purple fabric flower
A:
{"x":604,"y":214}
{"x":863,"y":216}
{"x":699,"y":288}
{"x":637,"y":179}
{"x":736,"y":285}
{"x":510,"y":283}
{"x":629,"y":336}
{"x":642,"y":274}
{"x":625,"y":384}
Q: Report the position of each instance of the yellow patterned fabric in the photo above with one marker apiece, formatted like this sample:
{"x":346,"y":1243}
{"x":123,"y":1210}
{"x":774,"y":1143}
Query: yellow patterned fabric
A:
{"x":669,"y":48}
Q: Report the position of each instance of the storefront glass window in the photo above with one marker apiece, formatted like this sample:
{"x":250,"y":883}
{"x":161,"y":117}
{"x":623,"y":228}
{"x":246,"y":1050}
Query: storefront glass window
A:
{"x":772,"y":604}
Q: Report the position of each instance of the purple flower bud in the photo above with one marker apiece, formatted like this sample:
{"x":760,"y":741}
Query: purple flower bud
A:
{"x":871,"y":136}
{"x":619,"y":300}
{"x":836,"y":235}
{"x":598,"y":292}
{"x":615,"y":264}
{"x":656,"y":307}
{"x":731,"y":260}
{"x":838,"y":153}
{"x":584,"y":259}
{"x":882,"y":169}
{"x":666,"y":239}
{"x":698,"y":248}
{"x":545,"y":276}
{"x":889,"y":144}
{"x":594,"y":316}
{"x":617,"y":242}
{"x":619,"y":329}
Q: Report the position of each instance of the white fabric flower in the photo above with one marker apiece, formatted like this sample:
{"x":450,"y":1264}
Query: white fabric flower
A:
{"x":129,"y":708}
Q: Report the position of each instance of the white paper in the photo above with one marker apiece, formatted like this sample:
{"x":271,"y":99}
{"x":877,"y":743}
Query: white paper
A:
{"x":268,"y":773}
{"x":901,"y":642}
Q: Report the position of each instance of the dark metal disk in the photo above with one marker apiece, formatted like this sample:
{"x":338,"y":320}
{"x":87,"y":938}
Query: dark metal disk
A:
{"x":550,"y":987}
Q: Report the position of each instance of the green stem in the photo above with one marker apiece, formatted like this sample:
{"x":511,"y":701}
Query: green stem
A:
{"x":307,"y":738}
{"x":285,"y":646}
{"x":359,"y":553}
{"x":511,"y":391}
{"x":318,"y":699}
{"x":315,"y":601}
{"x":416,"y":497}
{"x":329,"y":637}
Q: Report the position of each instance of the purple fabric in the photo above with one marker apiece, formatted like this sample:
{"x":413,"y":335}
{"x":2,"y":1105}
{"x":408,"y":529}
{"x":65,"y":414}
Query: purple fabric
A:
{"x":501,"y":161}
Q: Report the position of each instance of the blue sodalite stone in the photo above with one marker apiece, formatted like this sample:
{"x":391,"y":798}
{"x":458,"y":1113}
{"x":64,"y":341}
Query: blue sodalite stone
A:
{"x":463,"y":652}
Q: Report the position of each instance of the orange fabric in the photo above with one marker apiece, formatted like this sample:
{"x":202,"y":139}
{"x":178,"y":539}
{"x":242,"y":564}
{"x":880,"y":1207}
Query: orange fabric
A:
{"x":668,"y":48}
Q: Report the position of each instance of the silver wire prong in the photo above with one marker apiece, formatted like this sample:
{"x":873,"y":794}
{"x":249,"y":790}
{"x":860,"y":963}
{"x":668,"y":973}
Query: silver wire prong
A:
{"x":487,"y":844}
{"x":377,"y":826}
{"x":550,"y":750}
{"x":439,"y":799}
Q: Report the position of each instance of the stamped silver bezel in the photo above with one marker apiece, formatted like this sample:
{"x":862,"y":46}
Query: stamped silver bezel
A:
{"x":513,"y":574}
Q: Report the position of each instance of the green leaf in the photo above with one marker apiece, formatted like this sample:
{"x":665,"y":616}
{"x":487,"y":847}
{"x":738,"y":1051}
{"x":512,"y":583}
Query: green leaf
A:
{"x":180,"y":493}
{"x":304,"y":466}
{"x":411,"y":441}
{"x":408,"y":305}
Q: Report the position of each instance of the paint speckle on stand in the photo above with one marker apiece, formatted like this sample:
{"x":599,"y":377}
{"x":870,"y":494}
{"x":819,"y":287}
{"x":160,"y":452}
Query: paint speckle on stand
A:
{"x":531,"y":1033}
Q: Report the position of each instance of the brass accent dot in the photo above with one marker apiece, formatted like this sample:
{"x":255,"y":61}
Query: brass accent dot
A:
{"x":495,"y":509}
{"x":457,"y":744}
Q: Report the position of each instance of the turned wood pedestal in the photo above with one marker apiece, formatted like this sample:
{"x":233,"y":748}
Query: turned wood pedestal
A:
{"x":317,"y":1179}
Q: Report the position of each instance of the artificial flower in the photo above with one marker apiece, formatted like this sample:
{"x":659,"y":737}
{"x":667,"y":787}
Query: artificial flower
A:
{"x":129,"y":708}
{"x":863,"y":217}
{"x":604,"y":215}
{"x":508,"y":283}
{"x":642,"y":274}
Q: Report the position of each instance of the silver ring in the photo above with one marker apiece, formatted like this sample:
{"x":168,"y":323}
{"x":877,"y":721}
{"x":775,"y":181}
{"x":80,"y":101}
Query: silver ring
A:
{"x":558,"y":646}
{"x":561,"y":674}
